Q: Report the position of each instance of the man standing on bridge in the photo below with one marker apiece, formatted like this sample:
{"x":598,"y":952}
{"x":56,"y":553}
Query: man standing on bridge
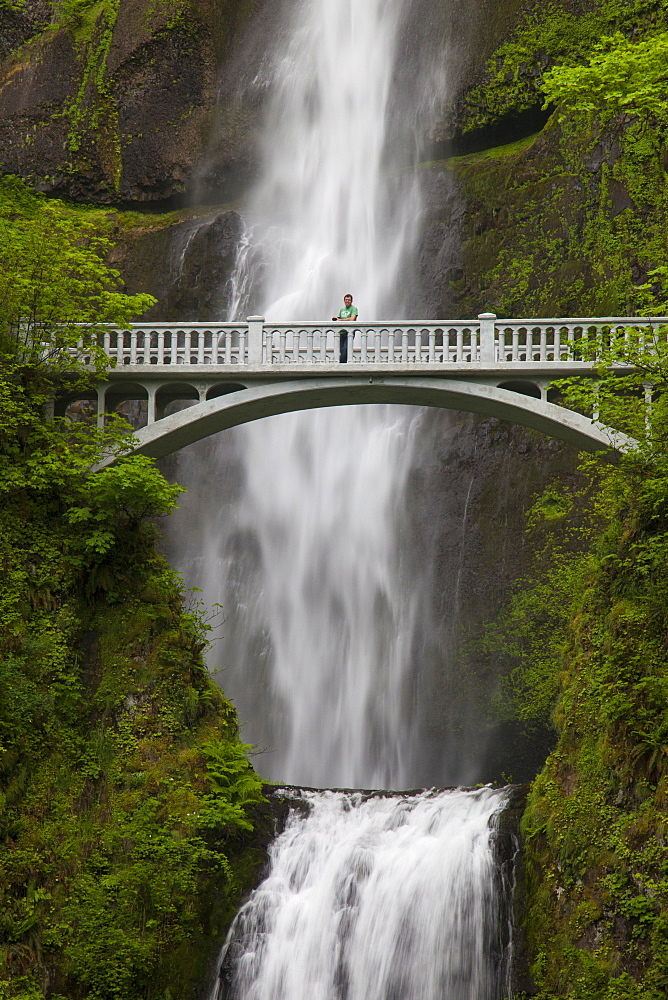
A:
{"x":346,"y":315}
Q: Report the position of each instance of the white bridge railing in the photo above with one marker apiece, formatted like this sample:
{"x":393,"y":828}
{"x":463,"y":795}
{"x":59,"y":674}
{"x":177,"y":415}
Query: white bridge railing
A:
{"x":486,"y":340}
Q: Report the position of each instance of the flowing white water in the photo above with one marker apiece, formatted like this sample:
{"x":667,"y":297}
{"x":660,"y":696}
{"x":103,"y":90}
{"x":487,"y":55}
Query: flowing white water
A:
{"x":331,"y":212}
{"x":318,"y":600}
{"x":339,"y":621}
{"x":371,"y":898}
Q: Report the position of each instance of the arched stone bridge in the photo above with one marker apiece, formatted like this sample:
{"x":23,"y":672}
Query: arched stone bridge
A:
{"x":232,"y":373}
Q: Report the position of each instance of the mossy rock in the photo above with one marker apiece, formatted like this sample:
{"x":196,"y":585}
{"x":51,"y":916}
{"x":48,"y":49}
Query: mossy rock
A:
{"x":113,"y":102}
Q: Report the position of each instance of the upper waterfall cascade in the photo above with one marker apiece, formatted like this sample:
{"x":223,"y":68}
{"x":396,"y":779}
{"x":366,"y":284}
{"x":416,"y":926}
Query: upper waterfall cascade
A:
{"x":322,"y":604}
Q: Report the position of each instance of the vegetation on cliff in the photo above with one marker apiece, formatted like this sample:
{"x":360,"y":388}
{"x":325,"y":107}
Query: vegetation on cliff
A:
{"x":552,"y":33}
{"x":586,"y":636}
{"x":596,"y":850}
{"x":112,"y":101}
{"x":125,"y":792}
{"x":570,"y":221}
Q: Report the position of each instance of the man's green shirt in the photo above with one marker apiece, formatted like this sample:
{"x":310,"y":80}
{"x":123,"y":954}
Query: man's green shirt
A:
{"x":348,"y":312}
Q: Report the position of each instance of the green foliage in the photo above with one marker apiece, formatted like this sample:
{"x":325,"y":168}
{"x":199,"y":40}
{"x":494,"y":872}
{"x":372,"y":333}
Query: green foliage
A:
{"x":552,"y":34}
{"x":56,"y":287}
{"x":629,"y":391}
{"x":575,"y":224}
{"x":620,"y":76}
{"x":125,"y":793}
{"x":119,"y":498}
{"x":597,"y":816}
{"x":234,"y":784}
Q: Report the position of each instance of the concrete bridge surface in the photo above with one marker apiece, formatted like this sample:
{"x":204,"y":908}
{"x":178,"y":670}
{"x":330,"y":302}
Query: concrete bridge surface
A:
{"x":231,"y":373}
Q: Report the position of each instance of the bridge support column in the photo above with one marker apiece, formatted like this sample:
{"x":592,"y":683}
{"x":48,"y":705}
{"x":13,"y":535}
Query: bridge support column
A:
{"x":255,"y":340}
{"x":101,"y":395}
{"x":487,"y":338}
{"x":150,"y":405}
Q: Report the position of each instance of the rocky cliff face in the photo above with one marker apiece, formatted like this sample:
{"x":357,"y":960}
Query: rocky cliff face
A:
{"x":472,"y":483}
{"x":137,"y":101}
{"x":116,"y":101}
{"x":185,"y":260}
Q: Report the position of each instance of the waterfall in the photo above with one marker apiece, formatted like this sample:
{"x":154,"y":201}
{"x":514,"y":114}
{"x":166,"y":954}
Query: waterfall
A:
{"x":375,"y":898}
{"x":299,"y":527}
{"x":332,"y":212}
{"x":301,"y":549}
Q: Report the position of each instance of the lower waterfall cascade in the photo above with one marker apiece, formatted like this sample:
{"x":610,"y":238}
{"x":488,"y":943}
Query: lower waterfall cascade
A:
{"x":376,"y":897}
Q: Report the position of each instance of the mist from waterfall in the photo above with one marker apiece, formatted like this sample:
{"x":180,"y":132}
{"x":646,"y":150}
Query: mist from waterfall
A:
{"x":303,"y":545}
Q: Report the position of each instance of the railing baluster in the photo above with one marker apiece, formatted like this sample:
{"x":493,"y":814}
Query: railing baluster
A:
{"x":501,"y":344}
{"x":483,"y":343}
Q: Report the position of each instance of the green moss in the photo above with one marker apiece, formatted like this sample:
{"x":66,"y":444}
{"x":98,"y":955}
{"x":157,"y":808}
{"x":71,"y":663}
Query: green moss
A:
{"x":596,"y":824}
{"x":115,"y":882}
{"x":496,"y":153}
{"x":569,"y":223}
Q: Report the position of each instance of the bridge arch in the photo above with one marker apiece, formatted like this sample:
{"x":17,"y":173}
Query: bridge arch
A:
{"x":269,"y":399}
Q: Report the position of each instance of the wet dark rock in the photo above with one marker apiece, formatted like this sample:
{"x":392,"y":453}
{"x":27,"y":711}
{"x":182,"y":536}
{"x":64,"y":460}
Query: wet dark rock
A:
{"x":202,"y":288}
{"x":18,"y":25}
{"x":186,"y":265}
